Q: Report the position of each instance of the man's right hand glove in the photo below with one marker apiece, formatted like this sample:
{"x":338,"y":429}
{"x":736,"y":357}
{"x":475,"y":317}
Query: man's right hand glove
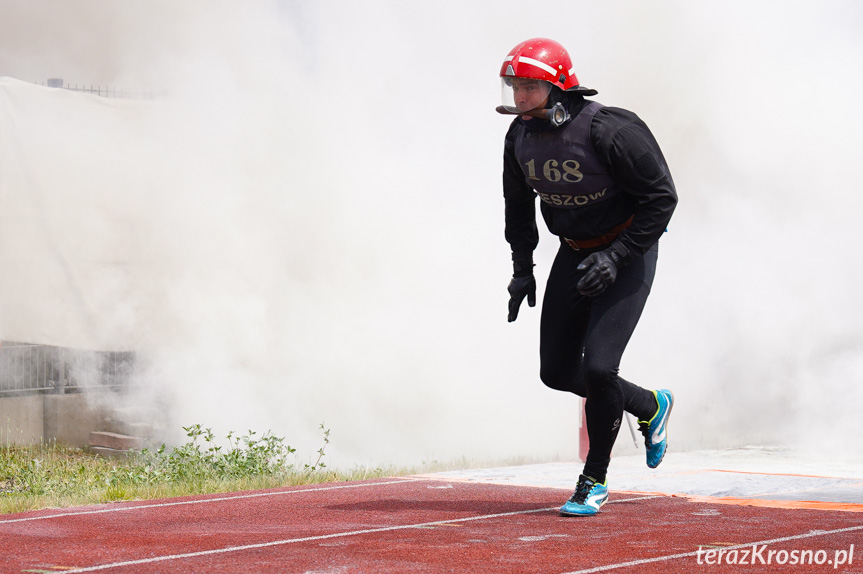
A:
{"x":519,"y":288}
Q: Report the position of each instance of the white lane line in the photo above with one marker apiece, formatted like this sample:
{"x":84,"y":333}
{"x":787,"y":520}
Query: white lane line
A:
{"x":645,"y":497}
{"x":205,"y":500}
{"x":306,"y":539}
{"x":810,"y":534}
{"x":321,"y":537}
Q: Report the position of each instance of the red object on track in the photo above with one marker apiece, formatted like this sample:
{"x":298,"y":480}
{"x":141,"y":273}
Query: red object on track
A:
{"x":583,"y":440}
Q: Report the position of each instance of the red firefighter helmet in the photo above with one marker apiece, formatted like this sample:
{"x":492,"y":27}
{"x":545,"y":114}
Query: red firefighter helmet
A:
{"x":543,"y":59}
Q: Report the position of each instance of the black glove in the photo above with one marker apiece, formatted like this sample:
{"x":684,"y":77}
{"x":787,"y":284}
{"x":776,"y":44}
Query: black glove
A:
{"x":519,"y":287}
{"x":601,"y":269}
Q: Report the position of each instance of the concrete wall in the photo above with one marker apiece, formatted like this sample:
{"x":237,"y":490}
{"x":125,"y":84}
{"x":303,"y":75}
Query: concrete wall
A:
{"x":22,"y":419}
{"x":68,"y":419}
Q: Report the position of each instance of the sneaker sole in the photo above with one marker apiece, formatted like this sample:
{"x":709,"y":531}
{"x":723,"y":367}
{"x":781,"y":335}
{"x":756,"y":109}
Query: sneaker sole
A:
{"x":594,"y":513}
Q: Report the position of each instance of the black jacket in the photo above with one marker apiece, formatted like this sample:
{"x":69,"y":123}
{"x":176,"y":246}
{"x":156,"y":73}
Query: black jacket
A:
{"x":636,"y":164}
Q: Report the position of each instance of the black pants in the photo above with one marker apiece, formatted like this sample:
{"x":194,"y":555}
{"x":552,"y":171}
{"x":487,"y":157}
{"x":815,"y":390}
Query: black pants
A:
{"x":582,"y":340}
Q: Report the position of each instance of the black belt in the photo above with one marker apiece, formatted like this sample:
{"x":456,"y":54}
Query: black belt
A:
{"x":579,"y":244}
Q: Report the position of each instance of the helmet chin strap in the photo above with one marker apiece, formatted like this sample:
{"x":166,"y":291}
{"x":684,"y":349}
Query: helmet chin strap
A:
{"x":557,"y":114}
{"x":536,"y":113}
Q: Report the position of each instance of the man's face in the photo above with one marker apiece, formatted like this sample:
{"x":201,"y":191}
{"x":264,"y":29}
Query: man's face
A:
{"x":529,"y":94}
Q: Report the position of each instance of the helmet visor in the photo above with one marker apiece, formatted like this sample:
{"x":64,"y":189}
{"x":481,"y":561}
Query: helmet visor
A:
{"x":520,"y":95}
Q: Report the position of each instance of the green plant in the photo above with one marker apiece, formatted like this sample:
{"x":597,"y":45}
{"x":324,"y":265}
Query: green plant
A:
{"x":55,"y":475}
{"x":318,"y":465}
{"x":201,"y":459}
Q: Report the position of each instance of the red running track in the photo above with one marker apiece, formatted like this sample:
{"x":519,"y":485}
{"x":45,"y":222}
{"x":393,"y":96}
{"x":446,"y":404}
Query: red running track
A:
{"x":418,"y":525}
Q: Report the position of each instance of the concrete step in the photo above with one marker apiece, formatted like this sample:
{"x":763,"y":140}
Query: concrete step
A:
{"x":115,"y":441}
{"x":141,"y":429}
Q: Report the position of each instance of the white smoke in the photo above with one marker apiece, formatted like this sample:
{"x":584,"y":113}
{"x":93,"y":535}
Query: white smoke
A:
{"x":328,"y":242}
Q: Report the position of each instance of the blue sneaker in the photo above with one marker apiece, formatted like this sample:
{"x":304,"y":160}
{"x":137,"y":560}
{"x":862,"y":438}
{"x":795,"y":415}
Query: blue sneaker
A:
{"x":655,"y":430}
{"x":588,"y":497}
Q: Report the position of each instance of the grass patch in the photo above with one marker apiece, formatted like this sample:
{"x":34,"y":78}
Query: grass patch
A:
{"x":56,"y":476}
{"x":51,"y":475}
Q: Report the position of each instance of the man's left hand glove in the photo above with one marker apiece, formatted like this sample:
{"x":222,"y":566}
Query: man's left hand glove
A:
{"x":601,"y":269}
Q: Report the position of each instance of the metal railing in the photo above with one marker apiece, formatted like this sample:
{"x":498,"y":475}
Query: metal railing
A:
{"x":103,"y":91}
{"x":29,"y":369}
